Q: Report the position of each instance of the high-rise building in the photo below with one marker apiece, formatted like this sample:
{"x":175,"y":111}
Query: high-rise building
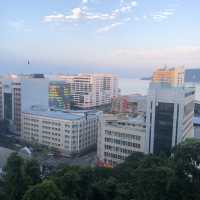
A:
{"x":91,"y":90}
{"x":19,"y":93}
{"x":59,"y":95}
{"x":69,"y":132}
{"x":172,"y":76}
{"x":121,"y":136}
{"x":169,"y":117}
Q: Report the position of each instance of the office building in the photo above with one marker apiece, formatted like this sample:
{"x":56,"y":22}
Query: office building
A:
{"x":19,"y":93}
{"x":196,"y":122}
{"x":92,"y":90}
{"x":169,"y":117}
{"x":70,"y":132}
{"x":172,"y":76}
{"x":121,"y":136}
{"x":59,"y":95}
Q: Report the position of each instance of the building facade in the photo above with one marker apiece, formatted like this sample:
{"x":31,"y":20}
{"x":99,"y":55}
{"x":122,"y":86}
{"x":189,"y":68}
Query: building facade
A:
{"x":169,"y":117}
{"x":120,"y":137}
{"x":129,"y":104}
{"x":18,"y":93}
{"x":59,"y":95}
{"x":69,"y":132}
{"x":92,"y":90}
{"x":172,"y":76}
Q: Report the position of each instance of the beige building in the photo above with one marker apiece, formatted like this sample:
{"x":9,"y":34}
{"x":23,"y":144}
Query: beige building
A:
{"x":69,"y":132}
{"x":120,"y":137}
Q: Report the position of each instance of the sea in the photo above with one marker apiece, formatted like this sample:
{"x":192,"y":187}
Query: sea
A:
{"x":132,"y":86}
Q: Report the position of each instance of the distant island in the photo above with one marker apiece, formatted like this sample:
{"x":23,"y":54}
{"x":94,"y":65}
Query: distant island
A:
{"x":146,"y":78}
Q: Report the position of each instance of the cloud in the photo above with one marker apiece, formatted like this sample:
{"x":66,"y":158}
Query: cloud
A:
{"x":82,"y":13}
{"x":84,"y":1}
{"x":109,"y":27}
{"x":162,"y":15}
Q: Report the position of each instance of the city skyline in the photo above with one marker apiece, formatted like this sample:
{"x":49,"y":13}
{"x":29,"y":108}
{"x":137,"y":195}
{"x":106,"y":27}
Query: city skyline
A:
{"x":128,"y":37}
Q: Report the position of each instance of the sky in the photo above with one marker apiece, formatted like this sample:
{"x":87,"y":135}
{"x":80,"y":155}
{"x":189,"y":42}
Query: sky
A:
{"x":126,"y":37}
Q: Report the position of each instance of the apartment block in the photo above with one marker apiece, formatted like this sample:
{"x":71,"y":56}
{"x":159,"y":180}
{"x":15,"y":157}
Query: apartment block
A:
{"x":91,"y":90}
{"x":70,"y":132}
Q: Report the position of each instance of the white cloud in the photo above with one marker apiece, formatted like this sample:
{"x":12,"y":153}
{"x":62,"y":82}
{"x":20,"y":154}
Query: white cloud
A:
{"x":82,"y":13}
{"x":84,"y":1}
{"x":109,"y":27}
{"x":162,"y":15}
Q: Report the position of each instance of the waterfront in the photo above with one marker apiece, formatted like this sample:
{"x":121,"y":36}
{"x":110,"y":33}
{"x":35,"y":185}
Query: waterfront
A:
{"x":130,"y":86}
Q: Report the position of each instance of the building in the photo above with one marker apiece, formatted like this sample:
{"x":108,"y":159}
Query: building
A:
{"x":172,"y":76}
{"x":192,"y":76}
{"x":92,"y":90}
{"x":121,"y":136}
{"x":192,"y":79}
{"x":129,"y":104}
{"x":59,"y":95}
{"x":69,"y":132}
{"x":196,"y":122}
{"x":169,"y":117}
{"x":18,"y":93}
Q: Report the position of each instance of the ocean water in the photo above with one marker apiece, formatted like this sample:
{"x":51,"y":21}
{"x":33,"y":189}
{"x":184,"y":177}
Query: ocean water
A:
{"x":131,"y":86}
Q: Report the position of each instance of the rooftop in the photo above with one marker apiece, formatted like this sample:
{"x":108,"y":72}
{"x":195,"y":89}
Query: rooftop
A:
{"x":56,"y":114}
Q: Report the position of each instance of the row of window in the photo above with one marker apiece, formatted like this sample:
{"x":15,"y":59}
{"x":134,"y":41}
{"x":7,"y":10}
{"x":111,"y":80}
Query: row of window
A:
{"x":123,"y":135}
{"x":118,"y":149}
{"x":122,"y":142}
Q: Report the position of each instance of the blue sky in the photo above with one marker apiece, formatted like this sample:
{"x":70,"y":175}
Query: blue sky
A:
{"x":127,"y":37}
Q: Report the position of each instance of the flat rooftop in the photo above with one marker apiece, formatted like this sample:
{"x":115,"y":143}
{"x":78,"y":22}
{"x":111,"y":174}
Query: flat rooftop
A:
{"x":63,"y":115}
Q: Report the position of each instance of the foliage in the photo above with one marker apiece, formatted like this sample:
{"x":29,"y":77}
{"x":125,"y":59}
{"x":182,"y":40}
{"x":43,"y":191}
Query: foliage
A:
{"x":140,"y":177}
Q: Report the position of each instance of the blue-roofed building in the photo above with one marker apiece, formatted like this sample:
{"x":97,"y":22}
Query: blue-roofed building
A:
{"x":67,"y":131}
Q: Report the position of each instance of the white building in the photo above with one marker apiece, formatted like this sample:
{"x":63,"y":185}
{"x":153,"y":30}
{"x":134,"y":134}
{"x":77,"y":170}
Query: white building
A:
{"x":91,"y":90}
{"x":18,"y":93}
{"x":120,"y":137}
{"x":69,"y":132}
{"x":169,"y":117}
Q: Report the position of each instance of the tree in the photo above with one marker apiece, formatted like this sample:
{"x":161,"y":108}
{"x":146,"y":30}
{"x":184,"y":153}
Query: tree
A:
{"x":46,"y":190}
{"x":15,"y":177}
{"x":32,"y":172}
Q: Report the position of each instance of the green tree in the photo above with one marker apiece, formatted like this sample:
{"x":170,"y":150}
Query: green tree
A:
{"x":14,"y":177}
{"x":32,"y":172}
{"x":46,"y":190}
